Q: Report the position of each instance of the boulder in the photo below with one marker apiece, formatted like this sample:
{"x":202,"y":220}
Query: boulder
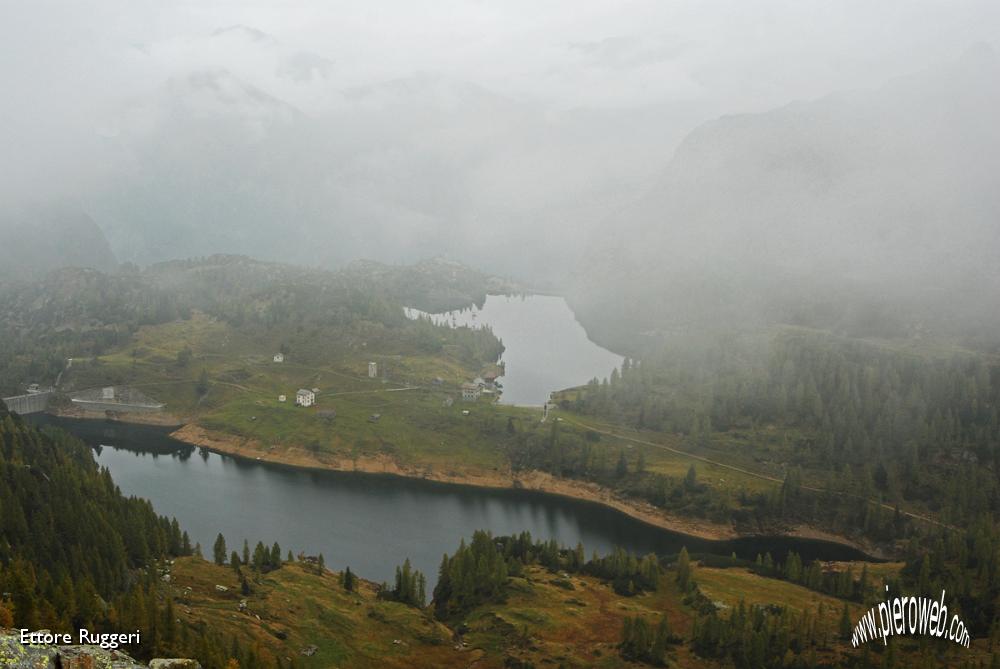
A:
{"x":47,"y":656}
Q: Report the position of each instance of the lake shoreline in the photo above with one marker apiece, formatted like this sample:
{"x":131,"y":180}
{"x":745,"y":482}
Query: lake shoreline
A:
{"x":534,"y":480}
{"x":295,"y":457}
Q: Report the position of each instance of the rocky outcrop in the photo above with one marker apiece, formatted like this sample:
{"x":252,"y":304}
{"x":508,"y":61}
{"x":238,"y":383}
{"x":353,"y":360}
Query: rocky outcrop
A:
{"x":45,"y":656}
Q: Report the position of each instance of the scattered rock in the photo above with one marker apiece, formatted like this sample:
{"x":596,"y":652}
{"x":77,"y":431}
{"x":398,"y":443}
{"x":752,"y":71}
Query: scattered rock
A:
{"x":51,"y":656}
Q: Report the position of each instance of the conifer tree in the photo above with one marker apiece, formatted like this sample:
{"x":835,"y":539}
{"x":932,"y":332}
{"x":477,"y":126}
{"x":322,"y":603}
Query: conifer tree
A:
{"x":219,"y":549}
{"x":691,"y":478}
{"x":845,"y":623}
{"x":683,"y":568}
{"x":621,"y":469}
{"x":275,"y":560}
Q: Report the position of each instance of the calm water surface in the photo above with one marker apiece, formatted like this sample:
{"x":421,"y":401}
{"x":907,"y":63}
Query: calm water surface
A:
{"x":546,"y":348}
{"x":368,"y":522}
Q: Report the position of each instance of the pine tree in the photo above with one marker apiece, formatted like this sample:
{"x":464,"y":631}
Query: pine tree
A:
{"x":219,"y":549}
{"x":201,"y":387}
{"x":275,"y":560}
{"x":261,"y":557}
{"x":845,"y":623}
{"x":691,"y":478}
{"x":658,"y":650}
{"x":169,"y":625}
{"x":628,"y":638}
{"x":683,"y":568}
{"x":621,"y":469}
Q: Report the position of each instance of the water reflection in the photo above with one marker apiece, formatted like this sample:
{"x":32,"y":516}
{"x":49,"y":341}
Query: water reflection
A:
{"x":546,"y":348}
{"x":369,"y":522}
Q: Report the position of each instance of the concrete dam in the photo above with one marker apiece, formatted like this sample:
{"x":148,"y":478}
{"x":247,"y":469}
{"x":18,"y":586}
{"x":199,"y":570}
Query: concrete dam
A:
{"x":26,"y":404}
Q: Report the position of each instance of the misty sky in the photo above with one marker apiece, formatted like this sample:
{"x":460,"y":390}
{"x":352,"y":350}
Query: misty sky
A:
{"x":67,"y":65}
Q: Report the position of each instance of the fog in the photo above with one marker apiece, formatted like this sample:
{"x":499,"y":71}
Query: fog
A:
{"x":588,"y":146}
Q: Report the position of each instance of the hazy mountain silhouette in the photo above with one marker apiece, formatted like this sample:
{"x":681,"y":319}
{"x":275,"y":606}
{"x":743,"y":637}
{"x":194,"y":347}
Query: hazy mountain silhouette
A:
{"x":39,"y":239}
{"x":286,"y":161}
{"x":884,"y":198}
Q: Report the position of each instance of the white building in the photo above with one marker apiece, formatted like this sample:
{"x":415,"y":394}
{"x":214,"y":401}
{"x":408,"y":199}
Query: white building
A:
{"x":305,"y":398}
{"x":279,"y":357}
{"x":281,"y":398}
{"x":470,"y":392}
{"x":372,"y":370}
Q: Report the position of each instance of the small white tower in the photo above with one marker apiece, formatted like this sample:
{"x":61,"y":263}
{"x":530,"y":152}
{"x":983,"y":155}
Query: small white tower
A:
{"x":372,"y":370}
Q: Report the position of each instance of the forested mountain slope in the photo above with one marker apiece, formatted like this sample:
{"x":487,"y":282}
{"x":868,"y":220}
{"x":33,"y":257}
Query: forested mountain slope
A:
{"x":75,"y":553}
{"x":84,"y":312}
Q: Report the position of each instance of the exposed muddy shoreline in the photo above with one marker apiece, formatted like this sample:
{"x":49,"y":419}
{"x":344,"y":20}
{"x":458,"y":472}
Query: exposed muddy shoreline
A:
{"x":532,"y":480}
{"x":298,"y":457}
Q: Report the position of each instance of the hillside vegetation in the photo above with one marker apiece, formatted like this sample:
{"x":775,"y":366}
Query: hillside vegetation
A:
{"x":510,"y":602}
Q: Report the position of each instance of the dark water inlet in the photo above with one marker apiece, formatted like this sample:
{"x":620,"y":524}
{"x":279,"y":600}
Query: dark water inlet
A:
{"x":371,"y":522}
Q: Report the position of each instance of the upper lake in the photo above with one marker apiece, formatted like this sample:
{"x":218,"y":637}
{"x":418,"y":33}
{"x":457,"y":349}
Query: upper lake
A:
{"x":546,"y":349}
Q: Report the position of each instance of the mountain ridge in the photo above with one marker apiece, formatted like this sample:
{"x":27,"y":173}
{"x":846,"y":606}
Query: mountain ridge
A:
{"x":863,"y":200}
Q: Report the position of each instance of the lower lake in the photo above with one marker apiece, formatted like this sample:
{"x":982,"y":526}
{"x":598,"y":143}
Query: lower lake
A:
{"x":365,"y":521}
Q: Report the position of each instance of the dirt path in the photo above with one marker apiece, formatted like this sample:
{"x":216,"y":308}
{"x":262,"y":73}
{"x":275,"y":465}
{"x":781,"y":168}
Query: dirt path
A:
{"x":747,"y":472}
{"x":677,"y":451}
{"x":371,"y":392}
